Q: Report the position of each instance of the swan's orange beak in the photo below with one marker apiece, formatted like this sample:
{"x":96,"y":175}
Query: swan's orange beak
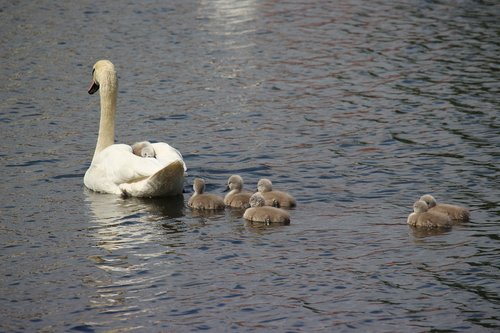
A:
{"x":94,"y":86}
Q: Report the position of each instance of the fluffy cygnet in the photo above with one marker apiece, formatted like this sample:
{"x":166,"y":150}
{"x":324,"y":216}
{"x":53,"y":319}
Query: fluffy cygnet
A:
{"x":205,"y":201}
{"x":274,"y":198}
{"x":143,"y":149}
{"x":456,"y":213}
{"x":421,"y":217}
{"x":237,"y":197}
{"x":266,"y":214}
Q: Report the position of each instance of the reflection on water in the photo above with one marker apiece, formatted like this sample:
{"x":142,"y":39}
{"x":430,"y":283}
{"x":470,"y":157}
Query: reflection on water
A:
{"x":356,"y":108}
{"x":124,"y":227}
{"x":110,"y":207}
{"x":259,"y":227}
{"x":123,"y":222}
{"x":425,"y":232}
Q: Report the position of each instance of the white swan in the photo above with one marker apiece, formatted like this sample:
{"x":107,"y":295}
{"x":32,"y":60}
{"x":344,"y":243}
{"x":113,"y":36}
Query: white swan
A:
{"x":114,"y":168}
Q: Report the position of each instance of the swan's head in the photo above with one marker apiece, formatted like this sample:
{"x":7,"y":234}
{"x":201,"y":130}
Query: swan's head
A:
{"x":235,"y":182}
{"x":198,"y":185}
{"x":257,"y":200}
{"x":264,"y":185}
{"x":429,"y":200}
{"x":420,"y":206}
{"x":103,"y":76}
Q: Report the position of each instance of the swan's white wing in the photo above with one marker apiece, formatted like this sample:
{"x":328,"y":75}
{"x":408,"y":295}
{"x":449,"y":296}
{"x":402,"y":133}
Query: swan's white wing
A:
{"x":123,"y":166}
{"x":166,"y":182}
{"x":117,"y":165}
{"x":167,"y":154}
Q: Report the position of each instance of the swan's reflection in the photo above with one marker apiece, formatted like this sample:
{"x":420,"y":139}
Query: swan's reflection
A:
{"x":125,"y":222}
{"x":107,"y":206}
{"x":130,"y":238}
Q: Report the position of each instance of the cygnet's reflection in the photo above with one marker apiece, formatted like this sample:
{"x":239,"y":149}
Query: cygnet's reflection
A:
{"x":259,"y":228}
{"x":419,"y":233}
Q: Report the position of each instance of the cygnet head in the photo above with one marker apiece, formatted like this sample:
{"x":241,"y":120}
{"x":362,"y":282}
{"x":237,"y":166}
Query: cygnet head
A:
{"x":235,"y":182}
{"x":148,"y":151}
{"x":420,"y":206}
{"x":143,"y":149}
{"x":264,"y":185}
{"x":103,"y":76}
{"x":429,"y":200}
{"x":198,"y":185}
{"x":257,"y":200}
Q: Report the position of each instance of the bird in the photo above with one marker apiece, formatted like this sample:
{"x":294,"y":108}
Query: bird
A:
{"x":204,"y":201}
{"x":456,"y":213}
{"x":258,"y":212}
{"x":115,"y":168}
{"x":274,"y":198}
{"x":143,"y":149}
{"x":237,"y":197}
{"x":422,"y":217}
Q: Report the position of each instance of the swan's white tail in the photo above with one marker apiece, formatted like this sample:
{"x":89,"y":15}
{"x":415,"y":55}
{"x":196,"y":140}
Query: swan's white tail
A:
{"x":169,"y":181}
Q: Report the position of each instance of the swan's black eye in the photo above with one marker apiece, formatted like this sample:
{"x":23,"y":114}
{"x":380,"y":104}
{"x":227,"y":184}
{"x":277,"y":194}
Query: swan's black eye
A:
{"x":93,"y":70}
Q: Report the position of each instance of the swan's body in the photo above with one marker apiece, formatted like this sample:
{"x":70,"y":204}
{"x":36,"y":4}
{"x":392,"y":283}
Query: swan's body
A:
{"x":266,"y":214}
{"x":274,"y":198}
{"x":114,"y":168}
{"x":456,"y":213}
{"x":237,"y":197}
{"x":143,"y":149}
{"x":204,"y":201}
{"x":422,"y":217}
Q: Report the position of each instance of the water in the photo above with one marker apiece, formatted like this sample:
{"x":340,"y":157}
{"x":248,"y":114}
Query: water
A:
{"x":357,"y":108}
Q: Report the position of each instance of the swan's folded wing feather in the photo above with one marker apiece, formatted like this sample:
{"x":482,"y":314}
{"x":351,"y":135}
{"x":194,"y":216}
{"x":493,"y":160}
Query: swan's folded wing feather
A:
{"x":167,"y":154}
{"x":117,"y":165}
{"x":120,"y":165}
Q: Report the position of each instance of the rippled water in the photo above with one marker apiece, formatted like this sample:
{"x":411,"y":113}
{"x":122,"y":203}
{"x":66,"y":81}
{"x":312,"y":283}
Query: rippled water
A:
{"x":357,"y":108}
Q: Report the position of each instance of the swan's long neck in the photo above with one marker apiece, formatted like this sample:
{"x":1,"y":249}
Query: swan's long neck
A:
{"x":108,"y":92}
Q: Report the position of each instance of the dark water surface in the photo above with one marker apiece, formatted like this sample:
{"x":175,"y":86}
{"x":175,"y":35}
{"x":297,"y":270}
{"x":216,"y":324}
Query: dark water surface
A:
{"x":355,"y":107}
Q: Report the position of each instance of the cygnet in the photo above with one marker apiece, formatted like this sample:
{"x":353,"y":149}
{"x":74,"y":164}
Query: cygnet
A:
{"x":456,"y":213}
{"x":266,"y":214}
{"x":237,"y":197}
{"x":421,"y":217}
{"x":143,"y":149}
{"x":274,"y":198}
{"x":204,"y":201}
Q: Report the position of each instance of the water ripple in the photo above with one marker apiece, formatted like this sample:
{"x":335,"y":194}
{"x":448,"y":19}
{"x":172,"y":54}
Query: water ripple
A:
{"x":356,"y":108}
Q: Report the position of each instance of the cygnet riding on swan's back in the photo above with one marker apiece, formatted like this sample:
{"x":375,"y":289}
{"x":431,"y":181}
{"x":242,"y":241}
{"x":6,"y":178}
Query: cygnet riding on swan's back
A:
{"x":421,"y":217}
{"x":143,"y":149}
{"x":260,"y":213}
{"x":114,"y":168}
{"x":274,"y":198}
{"x":237,"y":197}
{"x":200,"y":200}
{"x":456,"y":213}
